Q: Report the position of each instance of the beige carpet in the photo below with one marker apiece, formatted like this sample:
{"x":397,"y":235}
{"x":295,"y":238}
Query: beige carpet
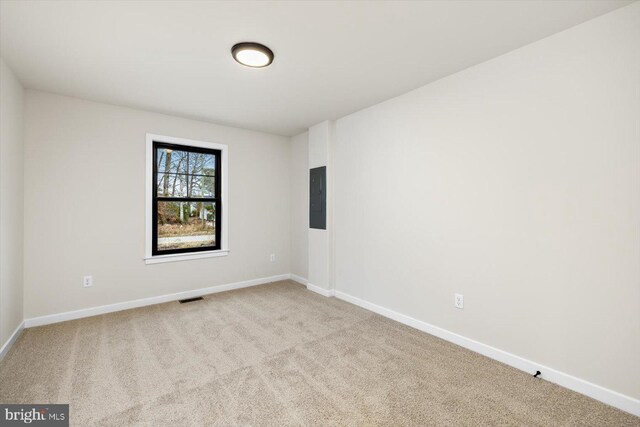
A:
{"x":275,"y":355}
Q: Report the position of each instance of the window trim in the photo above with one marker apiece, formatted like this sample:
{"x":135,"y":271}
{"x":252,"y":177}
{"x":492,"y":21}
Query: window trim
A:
{"x":149,"y":200}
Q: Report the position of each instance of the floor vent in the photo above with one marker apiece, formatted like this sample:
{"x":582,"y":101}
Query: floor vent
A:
{"x":183,"y":301}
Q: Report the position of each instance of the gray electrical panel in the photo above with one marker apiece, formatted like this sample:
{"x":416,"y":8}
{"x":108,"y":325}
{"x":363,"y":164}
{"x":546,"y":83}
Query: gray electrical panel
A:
{"x":318,"y":198}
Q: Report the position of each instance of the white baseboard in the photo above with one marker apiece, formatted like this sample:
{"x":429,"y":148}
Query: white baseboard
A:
{"x":610,"y":397}
{"x":298,"y":279}
{"x":12,"y":339}
{"x":321,"y":291}
{"x":312,"y":287}
{"x":103,"y":309}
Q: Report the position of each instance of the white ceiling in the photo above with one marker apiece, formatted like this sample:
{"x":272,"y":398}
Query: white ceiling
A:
{"x":331,"y":58}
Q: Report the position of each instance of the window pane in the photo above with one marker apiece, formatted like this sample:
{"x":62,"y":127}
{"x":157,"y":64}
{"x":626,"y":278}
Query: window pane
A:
{"x":172,"y":185}
{"x":171,"y":161}
{"x":186,"y":225}
{"x":202,"y":164}
{"x":202,"y":186}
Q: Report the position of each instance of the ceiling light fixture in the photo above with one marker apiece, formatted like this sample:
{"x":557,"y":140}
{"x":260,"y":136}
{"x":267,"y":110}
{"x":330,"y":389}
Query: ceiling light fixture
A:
{"x":252,"y":54}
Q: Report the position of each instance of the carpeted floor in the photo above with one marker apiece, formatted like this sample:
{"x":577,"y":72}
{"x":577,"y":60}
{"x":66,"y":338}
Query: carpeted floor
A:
{"x":276,"y":355}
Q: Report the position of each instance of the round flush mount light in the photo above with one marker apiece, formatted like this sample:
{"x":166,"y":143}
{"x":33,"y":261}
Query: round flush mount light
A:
{"x":252,"y":54}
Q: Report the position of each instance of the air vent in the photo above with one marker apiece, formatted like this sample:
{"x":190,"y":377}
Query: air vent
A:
{"x":184,"y":301}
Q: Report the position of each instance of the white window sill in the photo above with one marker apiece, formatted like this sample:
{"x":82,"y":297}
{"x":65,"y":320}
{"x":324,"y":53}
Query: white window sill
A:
{"x":185,"y":257}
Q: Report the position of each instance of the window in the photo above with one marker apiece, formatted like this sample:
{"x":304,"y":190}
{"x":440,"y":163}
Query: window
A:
{"x":187,"y":198}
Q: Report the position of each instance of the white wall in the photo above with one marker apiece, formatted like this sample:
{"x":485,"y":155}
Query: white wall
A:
{"x":516,"y":183}
{"x":84,"y":205}
{"x":11,"y":203}
{"x":299,"y":169}
{"x":321,"y":240}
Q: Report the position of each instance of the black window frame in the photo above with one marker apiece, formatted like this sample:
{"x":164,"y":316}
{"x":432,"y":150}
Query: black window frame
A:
{"x":217,"y":199}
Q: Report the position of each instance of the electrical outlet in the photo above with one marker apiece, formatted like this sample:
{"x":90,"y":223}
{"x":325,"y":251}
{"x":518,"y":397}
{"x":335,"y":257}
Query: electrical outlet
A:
{"x":458,"y":301}
{"x":273,"y":258}
{"x":87,"y":281}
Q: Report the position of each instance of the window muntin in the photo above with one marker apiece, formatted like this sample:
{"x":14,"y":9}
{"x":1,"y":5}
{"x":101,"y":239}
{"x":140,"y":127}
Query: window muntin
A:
{"x":187,"y":203}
